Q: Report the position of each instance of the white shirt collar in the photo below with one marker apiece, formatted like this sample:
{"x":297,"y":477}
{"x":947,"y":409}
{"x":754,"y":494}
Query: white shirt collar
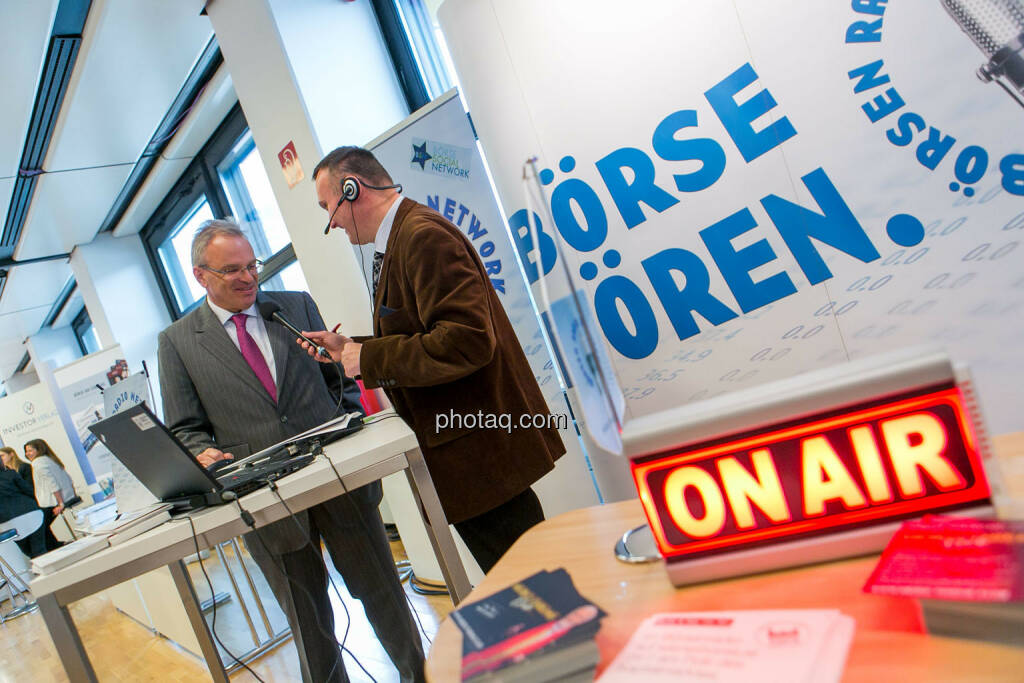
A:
{"x":224,"y":315}
{"x":380,"y":243}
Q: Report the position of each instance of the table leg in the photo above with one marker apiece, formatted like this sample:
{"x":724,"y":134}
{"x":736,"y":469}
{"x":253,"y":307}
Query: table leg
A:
{"x":187,"y":591}
{"x":437,"y":526}
{"x":66,"y":640}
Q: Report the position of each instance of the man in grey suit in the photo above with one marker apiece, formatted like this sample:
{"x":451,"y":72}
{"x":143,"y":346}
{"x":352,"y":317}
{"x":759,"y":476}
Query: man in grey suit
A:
{"x":230,"y":380}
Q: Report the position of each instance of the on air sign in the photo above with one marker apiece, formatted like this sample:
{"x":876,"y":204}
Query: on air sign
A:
{"x":827,"y":473}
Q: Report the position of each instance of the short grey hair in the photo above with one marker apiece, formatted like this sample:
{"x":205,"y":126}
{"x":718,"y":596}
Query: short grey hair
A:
{"x":207,"y":231}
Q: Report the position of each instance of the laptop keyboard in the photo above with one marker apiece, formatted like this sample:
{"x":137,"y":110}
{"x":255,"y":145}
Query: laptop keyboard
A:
{"x":244,"y":480}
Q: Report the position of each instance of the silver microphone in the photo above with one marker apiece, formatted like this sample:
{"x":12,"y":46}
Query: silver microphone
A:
{"x":997,"y":28}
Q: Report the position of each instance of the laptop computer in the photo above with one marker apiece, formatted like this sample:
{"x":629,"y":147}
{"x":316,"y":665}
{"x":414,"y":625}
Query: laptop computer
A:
{"x":161,"y":462}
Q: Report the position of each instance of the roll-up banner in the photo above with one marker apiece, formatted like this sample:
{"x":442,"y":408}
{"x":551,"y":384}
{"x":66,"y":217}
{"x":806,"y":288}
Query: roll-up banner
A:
{"x":32,"y":414}
{"x":82,"y":385}
{"x":746,"y":190}
{"x":434,"y":155}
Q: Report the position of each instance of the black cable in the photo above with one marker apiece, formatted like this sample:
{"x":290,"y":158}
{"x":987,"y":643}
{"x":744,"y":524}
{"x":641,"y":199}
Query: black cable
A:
{"x":316,"y":548}
{"x":366,"y":527}
{"x":374,"y":419}
{"x":213,"y":597}
{"x":424,"y":587}
{"x":247,"y":517}
{"x":341,"y":388}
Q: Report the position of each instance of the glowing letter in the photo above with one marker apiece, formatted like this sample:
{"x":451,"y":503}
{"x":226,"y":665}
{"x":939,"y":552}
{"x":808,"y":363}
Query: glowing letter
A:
{"x":918,"y":441}
{"x":825,"y":478}
{"x":870,"y":461}
{"x":765,"y":491}
{"x":675,"y":499}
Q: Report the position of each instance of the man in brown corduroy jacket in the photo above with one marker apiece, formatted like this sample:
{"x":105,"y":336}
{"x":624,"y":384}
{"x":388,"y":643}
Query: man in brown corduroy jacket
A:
{"x":445,"y":354}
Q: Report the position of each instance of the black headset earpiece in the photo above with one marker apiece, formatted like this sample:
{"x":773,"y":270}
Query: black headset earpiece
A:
{"x":350,"y":189}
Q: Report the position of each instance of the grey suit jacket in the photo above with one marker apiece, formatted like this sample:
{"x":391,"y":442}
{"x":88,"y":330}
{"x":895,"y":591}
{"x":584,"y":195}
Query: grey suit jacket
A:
{"x":212,"y":397}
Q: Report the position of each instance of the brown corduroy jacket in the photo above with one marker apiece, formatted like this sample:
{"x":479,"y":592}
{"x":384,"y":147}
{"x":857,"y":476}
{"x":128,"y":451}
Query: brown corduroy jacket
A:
{"x":442,"y":344}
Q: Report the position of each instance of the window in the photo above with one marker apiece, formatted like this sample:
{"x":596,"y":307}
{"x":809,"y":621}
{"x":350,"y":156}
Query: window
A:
{"x":251,"y":199}
{"x":424,"y":35}
{"x":176,"y":254}
{"x":84,"y":331}
{"x":290,"y":277}
{"x":226,"y":179}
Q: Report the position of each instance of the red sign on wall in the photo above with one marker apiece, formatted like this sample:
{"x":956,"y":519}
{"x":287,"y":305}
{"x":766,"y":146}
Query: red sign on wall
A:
{"x":290,"y":165}
{"x":877,"y":463}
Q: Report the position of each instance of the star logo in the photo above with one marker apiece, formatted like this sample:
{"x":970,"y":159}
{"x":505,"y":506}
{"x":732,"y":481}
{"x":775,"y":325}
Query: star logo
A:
{"x":420,"y":155}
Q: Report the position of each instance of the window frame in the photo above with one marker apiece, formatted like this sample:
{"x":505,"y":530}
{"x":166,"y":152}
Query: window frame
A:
{"x":201,"y":178}
{"x":79,"y":324}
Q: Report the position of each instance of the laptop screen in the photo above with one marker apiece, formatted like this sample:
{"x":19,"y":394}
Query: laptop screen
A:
{"x":153,"y":454}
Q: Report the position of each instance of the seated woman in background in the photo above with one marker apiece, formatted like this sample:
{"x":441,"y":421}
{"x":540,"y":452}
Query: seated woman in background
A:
{"x":11,"y":461}
{"x":16,"y":499}
{"x":54,"y":489}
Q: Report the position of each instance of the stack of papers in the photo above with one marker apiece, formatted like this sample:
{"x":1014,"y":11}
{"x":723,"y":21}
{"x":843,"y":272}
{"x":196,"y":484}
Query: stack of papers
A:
{"x":130,"y":524}
{"x":87,"y":518}
{"x":68,"y":554}
{"x":113,"y":529}
{"x":538,"y":629}
{"x":736,"y":647}
{"x":968,"y":574}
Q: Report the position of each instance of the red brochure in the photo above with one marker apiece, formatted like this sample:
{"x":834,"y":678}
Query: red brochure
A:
{"x":949,"y":558}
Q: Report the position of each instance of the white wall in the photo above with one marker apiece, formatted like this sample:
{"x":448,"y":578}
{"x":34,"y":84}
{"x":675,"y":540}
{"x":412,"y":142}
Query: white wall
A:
{"x":123,"y":298}
{"x":56,"y":344}
{"x":21,"y":380}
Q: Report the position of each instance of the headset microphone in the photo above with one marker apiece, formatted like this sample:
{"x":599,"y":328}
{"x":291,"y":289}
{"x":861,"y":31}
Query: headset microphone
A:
{"x":350,"y":188}
{"x":327,"y":230}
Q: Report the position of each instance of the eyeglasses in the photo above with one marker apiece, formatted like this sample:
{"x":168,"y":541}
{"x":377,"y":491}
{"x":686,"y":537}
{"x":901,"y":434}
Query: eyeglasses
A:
{"x":253,"y":269}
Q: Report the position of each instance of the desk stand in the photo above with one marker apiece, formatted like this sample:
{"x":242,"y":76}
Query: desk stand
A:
{"x":17,"y":589}
{"x":260,"y":645}
{"x":437,"y":526}
{"x":644,"y":550}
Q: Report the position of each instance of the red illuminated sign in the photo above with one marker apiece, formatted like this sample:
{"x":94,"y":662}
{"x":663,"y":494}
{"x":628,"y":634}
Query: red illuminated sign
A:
{"x":871,"y":464}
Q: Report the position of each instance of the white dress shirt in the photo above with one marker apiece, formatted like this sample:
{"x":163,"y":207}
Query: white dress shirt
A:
{"x":380,"y":242}
{"x":256,"y":327}
{"x":49,"y":477}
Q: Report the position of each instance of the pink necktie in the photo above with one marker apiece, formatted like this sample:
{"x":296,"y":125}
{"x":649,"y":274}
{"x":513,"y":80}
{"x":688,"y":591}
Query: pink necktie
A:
{"x":252,"y":355}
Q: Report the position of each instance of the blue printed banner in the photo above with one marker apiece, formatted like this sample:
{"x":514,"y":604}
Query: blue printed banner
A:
{"x":440,"y":158}
{"x":747,"y":190}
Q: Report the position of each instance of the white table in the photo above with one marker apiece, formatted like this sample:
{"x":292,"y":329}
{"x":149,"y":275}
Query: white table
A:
{"x":374,"y":452}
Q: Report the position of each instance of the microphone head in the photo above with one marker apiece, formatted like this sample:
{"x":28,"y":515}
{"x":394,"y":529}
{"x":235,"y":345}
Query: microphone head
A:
{"x":268,"y":308}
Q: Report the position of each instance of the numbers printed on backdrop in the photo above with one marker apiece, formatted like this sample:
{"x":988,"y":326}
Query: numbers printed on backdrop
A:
{"x":675,"y":294}
{"x":779,"y":213}
{"x":624,"y":312}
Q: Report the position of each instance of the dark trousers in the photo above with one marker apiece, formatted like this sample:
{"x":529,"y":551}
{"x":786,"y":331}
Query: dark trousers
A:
{"x":489,"y":535}
{"x":34,"y":544}
{"x":353,"y":532}
{"x":51,"y":541}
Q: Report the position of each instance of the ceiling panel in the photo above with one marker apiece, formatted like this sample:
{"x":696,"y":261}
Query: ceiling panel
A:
{"x":67,"y":210}
{"x":157,"y":185}
{"x":22,"y":50}
{"x":28,"y":297}
{"x":34,"y":287}
{"x":135,"y":57}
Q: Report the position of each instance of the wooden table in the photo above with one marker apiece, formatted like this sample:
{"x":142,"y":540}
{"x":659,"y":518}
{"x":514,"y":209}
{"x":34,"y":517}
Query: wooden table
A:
{"x":889,"y":643}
